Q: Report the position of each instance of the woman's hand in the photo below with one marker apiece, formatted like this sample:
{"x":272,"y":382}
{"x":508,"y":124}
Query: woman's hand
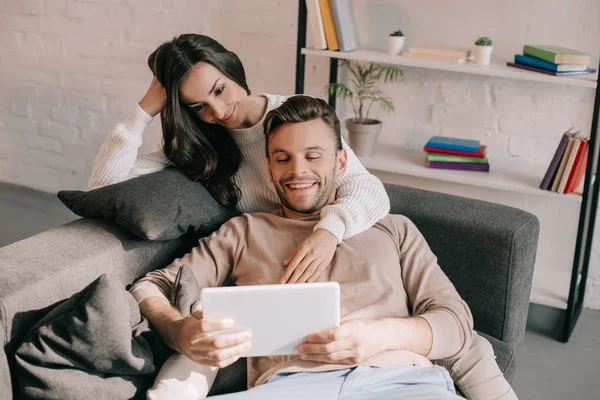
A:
{"x":310,"y":258}
{"x":155,"y":99}
{"x":200,"y":340}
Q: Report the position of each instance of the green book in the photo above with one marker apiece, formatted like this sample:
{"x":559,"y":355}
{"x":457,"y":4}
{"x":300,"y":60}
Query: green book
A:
{"x":557,"y":54}
{"x":459,"y":159}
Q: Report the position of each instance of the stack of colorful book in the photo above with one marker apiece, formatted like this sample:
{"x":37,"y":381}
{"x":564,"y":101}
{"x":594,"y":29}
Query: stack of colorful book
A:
{"x":553,"y":60}
{"x":456,"y":154}
{"x":567,"y":168}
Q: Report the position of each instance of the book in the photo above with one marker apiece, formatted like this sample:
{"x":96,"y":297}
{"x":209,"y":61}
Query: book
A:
{"x":545,"y":71}
{"x":569,"y":165}
{"x":458,"y":166}
{"x":553,"y":167}
{"x":315,"y":21}
{"x":539,"y":63}
{"x":580,"y":173}
{"x":449,"y":143}
{"x":562,"y":165}
{"x":557,"y":54}
{"x":328,"y":25}
{"x":453,"y":158}
{"x":435,"y":57}
{"x":480,"y":153}
{"x":343,"y":16}
{"x":576,"y":165}
{"x":437,"y":50}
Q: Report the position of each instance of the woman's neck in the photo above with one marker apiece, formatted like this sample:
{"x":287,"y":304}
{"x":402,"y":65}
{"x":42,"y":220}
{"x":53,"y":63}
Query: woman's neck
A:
{"x":255,"y":111}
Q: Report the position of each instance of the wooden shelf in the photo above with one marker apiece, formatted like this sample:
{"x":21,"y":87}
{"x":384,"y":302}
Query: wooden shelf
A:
{"x":496,"y":69}
{"x":509,"y":175}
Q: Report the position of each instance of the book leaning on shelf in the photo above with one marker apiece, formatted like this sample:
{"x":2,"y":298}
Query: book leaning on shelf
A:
{"x":567,"y":168}
{"x":332,"y":25}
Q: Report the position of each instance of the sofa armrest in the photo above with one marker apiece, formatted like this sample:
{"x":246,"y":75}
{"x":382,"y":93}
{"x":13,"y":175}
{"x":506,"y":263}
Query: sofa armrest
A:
{"x":41,"y":271}
{"x":487,"y":250}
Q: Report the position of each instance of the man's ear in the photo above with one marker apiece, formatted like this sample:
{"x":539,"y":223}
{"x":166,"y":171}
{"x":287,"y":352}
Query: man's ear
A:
{"x":269,"y":168}
{"x":342,"y":162}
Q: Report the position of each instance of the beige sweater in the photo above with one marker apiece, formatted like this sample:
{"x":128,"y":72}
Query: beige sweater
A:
{"x":386,"y":271}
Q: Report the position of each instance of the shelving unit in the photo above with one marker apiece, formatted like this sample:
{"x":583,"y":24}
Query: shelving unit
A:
{"x":495,"y":69}
{"x":507,"y":176}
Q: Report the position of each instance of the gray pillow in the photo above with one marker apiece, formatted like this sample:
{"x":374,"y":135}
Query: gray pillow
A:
{"x":159,"y":206}
{"x":95,"y":345}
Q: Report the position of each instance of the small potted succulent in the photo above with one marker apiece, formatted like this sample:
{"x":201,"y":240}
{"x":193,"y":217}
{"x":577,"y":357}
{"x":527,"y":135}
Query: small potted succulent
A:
{"x":483,"y":51}
{"x":363,"y":131}
{"x":395,"y":42}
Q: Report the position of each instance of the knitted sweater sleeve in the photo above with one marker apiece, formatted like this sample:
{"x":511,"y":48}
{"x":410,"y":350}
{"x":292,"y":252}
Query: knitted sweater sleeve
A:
{"x":361,"y":200}
{"x":118,"y":160}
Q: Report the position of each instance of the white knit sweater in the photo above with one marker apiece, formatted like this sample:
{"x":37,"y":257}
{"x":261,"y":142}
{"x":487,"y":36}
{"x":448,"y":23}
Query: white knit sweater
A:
{"x":361,"y":199}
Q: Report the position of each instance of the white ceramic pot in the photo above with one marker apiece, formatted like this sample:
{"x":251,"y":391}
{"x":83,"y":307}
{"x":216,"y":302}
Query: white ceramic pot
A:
{"x":395,"y":44}
{"x":483,"y":54}
{"x":362,"y":137}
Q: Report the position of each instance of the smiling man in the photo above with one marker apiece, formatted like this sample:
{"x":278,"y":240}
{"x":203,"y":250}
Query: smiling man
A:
{"x":399,"y":311}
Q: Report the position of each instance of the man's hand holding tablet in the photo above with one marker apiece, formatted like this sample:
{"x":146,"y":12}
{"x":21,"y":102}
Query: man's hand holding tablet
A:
{"x":210,"y":341}
{"x":279,"y":318}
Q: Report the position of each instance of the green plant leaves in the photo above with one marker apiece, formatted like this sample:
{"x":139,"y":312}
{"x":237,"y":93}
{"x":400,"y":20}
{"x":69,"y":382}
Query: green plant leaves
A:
{"x":363,"y":92}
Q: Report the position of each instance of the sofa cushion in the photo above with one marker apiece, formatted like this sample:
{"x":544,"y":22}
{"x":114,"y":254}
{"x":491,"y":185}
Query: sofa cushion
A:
{"x":159,"y":206}
{"x":94,"y":345}
{"x":504,"y":355}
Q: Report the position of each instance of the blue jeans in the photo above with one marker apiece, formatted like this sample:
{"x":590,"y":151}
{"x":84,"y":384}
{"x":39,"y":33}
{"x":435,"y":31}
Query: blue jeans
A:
{"x":360,"y":383}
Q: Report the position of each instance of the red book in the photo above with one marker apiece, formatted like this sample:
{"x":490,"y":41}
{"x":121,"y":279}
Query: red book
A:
{"x":580,"y":173}
{"x":480,"y":153}
{"x":576,"y":164}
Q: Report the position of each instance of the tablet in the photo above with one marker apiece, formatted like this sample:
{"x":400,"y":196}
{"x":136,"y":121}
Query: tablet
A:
{"x":280,"y":317}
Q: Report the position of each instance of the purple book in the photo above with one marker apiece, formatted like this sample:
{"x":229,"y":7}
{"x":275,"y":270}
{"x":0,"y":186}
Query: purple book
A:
{"x":459,"y":166}
{"x":547,"y":180}
{"x":545,"y":71}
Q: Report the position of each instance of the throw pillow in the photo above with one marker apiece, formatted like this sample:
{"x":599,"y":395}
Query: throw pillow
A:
{"x":159,"y":206}
{"x":94,"y":345}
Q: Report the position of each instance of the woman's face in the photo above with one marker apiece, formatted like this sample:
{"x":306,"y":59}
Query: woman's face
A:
{"x":214,"y":97}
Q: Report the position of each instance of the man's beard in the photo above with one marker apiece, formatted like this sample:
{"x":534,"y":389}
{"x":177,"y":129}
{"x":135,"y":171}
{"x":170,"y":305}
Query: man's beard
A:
{"x":321,"y":198}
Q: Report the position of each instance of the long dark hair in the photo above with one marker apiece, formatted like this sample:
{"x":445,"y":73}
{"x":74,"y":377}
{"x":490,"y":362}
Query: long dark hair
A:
{"x":204,"y":152}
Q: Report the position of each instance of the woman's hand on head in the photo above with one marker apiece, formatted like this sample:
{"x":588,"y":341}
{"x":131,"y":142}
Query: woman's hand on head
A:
{"x":310,"y":258}
{"x":155,"y":99}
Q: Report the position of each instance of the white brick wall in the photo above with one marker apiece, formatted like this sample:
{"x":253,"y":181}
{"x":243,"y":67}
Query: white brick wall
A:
{"x":71,"y":69}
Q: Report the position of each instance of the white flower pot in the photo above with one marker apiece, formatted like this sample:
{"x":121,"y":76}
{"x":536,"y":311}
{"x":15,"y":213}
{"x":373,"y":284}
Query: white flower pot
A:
{"x":483,"y":54}
{"x":363,"y":137}
{"x":395,"y":44}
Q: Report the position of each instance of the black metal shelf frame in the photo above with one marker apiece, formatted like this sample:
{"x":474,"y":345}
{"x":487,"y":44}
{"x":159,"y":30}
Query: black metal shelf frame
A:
{"x":589,"y":204}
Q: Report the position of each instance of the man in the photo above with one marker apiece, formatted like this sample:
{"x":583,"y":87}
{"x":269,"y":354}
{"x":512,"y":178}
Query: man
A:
{"x":399,"y":311}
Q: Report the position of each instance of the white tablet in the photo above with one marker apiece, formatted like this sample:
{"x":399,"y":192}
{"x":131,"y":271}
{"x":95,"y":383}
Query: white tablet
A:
{"x":280,"y":317}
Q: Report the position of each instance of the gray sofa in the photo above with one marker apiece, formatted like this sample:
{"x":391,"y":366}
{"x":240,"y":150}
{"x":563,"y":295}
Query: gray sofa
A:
{"x":487,"y":250}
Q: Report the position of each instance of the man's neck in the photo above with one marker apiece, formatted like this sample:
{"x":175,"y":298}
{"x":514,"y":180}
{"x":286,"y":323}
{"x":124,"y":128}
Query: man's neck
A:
{"x":287,"y":213}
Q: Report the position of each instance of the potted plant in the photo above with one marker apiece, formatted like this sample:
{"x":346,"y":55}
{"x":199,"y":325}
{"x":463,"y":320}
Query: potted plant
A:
{"x":395,"y":42}
{"x":483,"y":51}
{"x":363,"y":130}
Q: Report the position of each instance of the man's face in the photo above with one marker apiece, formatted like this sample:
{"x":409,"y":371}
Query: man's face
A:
{"x":303,"y":163}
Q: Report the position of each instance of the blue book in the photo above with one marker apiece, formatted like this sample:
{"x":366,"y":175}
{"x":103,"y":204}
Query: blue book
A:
{"x":448,"y":143}
{"x":539,"y":63}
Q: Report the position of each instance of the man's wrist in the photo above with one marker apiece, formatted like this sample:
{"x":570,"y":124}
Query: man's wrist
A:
{"x":392,"y":333}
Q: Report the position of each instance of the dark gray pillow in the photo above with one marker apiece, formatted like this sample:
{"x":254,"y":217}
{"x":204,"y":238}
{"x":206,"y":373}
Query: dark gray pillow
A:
{"x":159,"y":206}
{"x":95,"y":345}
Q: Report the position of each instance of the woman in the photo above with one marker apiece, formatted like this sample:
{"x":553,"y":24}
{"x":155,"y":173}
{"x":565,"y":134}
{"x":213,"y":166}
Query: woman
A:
{"x":212,"y":131}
